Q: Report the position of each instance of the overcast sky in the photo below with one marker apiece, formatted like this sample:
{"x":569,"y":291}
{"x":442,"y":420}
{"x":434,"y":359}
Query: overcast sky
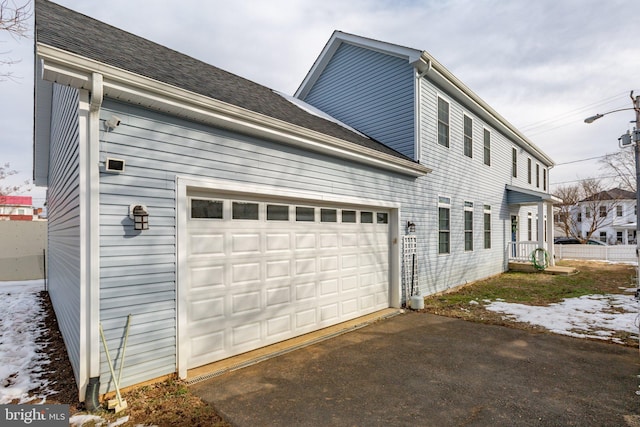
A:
{"x":544,"y":65}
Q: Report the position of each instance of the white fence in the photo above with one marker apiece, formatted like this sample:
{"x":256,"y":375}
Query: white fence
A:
{"x":616,"y":253}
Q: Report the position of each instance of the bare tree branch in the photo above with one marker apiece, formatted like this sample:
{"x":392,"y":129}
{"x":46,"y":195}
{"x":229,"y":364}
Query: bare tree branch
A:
{"x":5,"y":190}
{"x":586,"y":208}
{"x":14,"y":19}
{"x":623,"y":167}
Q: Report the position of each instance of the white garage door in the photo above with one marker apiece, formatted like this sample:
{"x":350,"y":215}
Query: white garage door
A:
{"x":263,"y":271}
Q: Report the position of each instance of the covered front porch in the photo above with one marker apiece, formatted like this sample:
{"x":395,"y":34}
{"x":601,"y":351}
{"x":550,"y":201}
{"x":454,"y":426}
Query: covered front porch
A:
{"x":536,"y":249}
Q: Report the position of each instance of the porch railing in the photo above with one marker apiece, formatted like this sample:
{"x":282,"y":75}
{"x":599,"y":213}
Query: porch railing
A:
{"x":521,"y":251}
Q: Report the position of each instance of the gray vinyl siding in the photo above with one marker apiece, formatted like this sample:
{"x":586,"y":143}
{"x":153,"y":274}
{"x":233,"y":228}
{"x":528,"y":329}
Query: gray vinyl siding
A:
{"x":464,"y":178}
{"x":371,"y":92}
{"x":64,"y":238}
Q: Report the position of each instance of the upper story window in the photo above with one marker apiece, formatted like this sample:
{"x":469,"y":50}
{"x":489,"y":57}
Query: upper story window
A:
{"x":487,"y":147}
{"x":603,"y":211}
{"x":618,"y":210}
{"x":443,"y":122}
{"x":514,"y":162}
{"x":537,"y":175}
{"x":529,"y":171}
{"x":468,"y":136}
{"x":544,"y":179}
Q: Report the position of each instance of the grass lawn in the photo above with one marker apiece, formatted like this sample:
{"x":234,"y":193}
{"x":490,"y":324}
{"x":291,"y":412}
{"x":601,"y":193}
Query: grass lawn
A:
{"x":532,"y":289}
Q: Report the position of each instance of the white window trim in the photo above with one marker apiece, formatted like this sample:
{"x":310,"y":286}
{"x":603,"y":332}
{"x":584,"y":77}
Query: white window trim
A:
{"x":448,"y":101}
{"x":484,"y":160}
{"x":465,"y":115}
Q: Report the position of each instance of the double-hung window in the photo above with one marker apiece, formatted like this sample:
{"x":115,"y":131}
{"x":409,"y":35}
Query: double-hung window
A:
{"x":444,"y":225}
{"x":537,"y":175}
{"x":443,"y":122}
{"x":487,"y":147}
{"x":468,"y":226}
{"x":603,"y":211}
{"x":514,"y":162}
{"x":487,"y":226}
{"x":529,"y":171}
{"x":468,"y":136}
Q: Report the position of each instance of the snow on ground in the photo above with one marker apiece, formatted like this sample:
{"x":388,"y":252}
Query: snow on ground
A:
{"x":590,"y":316}
{"x":21,"y":315}
{"x":21,"y":363}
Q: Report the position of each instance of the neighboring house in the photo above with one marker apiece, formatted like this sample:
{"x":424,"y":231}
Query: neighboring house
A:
{"x":17,"y":208}
{"x":610,"y":214}
{"x":224,"y":216}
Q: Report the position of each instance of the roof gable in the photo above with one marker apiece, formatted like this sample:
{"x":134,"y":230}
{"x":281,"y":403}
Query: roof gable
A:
{"x":86,"y":37}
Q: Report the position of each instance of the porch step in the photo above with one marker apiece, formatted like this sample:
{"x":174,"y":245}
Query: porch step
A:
{"x":527,"y":267}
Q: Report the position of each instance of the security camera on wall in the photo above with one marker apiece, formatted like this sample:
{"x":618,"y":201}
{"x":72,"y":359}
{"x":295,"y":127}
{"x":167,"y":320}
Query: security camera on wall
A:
{"x":112,"y":123}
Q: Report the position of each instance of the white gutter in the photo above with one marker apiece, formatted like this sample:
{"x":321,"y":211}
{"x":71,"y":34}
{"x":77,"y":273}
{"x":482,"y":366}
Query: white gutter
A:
{"x":73,"y":70}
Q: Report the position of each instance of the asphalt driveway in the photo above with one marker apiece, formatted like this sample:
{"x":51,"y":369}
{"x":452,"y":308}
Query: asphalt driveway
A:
{"x":420,"y":369}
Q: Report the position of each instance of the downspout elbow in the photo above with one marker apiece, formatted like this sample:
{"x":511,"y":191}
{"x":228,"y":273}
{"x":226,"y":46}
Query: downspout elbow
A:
{"x":97,"y":93}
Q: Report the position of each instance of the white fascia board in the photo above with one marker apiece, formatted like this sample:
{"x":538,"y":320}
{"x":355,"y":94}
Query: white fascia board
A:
{"x":445,"y":78}
{"x":70,"y":69}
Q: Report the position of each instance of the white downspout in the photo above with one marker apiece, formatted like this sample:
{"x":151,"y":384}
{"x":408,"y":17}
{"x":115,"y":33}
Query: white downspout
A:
{"x":90,"y":225}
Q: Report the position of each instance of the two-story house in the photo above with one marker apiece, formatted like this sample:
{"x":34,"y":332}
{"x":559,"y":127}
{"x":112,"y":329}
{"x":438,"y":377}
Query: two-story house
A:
{"x":224,"y":216}
{"x":608,"y":216}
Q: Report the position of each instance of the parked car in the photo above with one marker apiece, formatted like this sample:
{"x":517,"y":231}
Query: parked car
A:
{"x":574,"y":241}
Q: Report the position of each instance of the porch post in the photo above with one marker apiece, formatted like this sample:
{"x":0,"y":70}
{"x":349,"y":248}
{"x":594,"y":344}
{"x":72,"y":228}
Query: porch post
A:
{"x":550,"y":234}
{"x":540,"y":225}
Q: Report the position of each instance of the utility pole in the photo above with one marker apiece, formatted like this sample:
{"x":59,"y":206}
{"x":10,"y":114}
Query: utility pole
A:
{"x":636,"y":139}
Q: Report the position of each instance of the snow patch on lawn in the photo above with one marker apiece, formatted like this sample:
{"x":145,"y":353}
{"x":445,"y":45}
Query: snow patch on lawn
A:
{"x":589,"y":316}
{"x":22,"y":359}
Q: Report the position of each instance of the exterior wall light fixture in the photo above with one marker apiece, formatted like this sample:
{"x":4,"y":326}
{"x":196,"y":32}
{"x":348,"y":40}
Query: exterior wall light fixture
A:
{"x":411,"y":227}
{"x":140,"y":216}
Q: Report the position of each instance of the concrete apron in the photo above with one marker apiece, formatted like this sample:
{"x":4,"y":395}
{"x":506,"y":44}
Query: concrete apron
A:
{"x":215,"y":369}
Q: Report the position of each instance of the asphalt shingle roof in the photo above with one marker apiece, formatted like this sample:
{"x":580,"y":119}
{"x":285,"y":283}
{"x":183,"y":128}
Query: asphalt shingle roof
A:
{"x":74,"y":32}
{"x":612,"y":194}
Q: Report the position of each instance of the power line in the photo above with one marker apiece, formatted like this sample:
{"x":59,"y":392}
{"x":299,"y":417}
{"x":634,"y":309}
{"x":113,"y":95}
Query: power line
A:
{"x":574,"y":112}
{"x":583,"y":179}
{"x":585,"y":160}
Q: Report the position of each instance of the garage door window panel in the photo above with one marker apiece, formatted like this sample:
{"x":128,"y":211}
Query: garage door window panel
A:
{"x":328,"y":215}
{"x":277,"y":213}
{"x":349,"y":217}
{"x":305,"y":214}
{"x":206,"y":209}
{"x":245,"y":210}
{"x":366,"y":217}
